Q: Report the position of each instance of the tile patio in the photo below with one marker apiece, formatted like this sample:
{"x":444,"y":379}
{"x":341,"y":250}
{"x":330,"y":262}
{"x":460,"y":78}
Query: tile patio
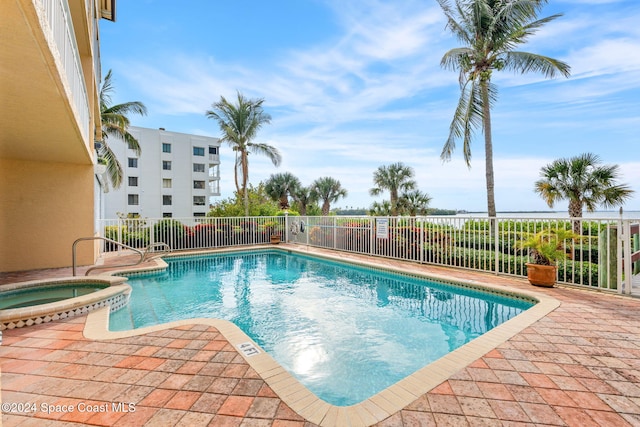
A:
{"x":577,"y":366}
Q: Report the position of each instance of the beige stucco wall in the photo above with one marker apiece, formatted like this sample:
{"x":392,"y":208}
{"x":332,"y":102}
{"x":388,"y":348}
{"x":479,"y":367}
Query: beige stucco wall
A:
{"x":44,"y":207}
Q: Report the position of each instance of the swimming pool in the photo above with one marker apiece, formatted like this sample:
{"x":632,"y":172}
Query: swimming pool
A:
{"x":330,"y":324}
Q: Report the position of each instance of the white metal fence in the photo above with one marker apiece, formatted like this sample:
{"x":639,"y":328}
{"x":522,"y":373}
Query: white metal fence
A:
{"x":191,"y":233}
{"x":595,"y":259}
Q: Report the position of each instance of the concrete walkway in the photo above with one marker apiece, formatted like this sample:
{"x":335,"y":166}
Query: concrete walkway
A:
{"x":578,"y":366}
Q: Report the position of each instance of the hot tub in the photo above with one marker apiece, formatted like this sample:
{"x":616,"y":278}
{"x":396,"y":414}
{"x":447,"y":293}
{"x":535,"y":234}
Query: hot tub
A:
{"x":41,"y":301}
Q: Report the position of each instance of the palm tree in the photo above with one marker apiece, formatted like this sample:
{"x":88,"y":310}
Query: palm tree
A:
{"x":303,"y":197}
{"x":490,"y":31}
{"x":115,"y":123}
{"x":328,"y":190}
{"x":380,"y":209}
{"x":584,"y":181}
{"x":280,"y":186}
{"x":239,"y":124}
{"x":414,"y":203}
{"x":396,"y":178}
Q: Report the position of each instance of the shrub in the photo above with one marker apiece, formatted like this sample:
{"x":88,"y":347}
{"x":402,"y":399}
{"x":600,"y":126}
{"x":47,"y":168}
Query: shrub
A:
{"x":171,"y":232}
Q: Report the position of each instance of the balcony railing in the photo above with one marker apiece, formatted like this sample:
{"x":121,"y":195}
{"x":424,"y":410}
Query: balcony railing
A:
{"x":60,"y":28}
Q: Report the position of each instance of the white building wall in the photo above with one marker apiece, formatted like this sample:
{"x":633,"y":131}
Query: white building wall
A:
{"x":151,"y":189}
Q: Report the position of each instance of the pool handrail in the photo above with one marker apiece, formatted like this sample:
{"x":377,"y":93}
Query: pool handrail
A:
{"x":143,"y":254}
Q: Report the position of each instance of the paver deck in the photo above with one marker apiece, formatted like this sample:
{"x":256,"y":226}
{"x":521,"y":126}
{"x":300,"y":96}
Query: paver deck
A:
{"x":577,"y":366}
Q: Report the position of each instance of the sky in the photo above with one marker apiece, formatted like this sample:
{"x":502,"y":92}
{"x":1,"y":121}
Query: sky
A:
{"x":354,"y":85}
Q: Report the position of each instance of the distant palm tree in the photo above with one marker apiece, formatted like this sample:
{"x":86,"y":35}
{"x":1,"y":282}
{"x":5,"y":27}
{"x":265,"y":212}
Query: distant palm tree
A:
{"x":396,"y":178}
{"x":280,"y":186}
{"x":115,"y":123}
{"x":584,"y":182}
{"x":380,"y":208}
{"x":490,"y":31}
{"x":414,"y":203}
{"x":239,"y":124}
{"x":328,"y":190}
{"x":303,"y":197}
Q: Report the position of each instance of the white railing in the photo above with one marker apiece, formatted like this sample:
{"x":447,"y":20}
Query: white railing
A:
{"x":594,"y":259}
{"x":60,"y":27}
{"x":191,"y":233}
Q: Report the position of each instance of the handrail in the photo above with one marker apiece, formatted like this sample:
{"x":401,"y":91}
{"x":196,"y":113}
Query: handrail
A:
{"x":154,"y":254}
{"x":138,"y":251}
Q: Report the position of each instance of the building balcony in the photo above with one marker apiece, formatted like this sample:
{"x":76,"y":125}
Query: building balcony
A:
{"x":47,"y":110}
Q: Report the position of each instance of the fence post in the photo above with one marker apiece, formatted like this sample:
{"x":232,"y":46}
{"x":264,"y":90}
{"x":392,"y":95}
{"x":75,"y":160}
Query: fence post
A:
{"x":421,"y":241}
{"x":496,"y":245}
{"x":119,"y":235}
{"x":286,"y":226}
{"x":626,"y":252}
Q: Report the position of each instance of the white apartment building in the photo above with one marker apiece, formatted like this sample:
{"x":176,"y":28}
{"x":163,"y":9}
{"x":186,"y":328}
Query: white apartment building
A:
{"x":175,"y":175}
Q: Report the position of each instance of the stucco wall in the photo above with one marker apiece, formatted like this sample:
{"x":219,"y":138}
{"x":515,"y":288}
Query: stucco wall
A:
{"x":44,"y":207}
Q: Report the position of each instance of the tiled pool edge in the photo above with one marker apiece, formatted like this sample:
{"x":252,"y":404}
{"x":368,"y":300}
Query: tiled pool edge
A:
{"x":116,"y":295}
{"x":378,"y":407}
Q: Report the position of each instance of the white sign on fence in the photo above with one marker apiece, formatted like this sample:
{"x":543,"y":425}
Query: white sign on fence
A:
{"x":382,"y":228}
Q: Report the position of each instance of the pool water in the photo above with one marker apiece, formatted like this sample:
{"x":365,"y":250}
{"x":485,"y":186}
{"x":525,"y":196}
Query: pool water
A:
{"x":29,"y":297}
{"x":345,"y":332}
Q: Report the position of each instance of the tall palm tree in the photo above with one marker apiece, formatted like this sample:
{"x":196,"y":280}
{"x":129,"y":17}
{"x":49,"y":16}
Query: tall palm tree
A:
{"x":414,"y":203}
{"x":396,"y":178}
{"x":328,"y":190}
{"x":240,"y":124}
{"x":490,"y":31}
{"x":584,"y":181}
{"x":280,"y":186}
{"x":115,"y":123}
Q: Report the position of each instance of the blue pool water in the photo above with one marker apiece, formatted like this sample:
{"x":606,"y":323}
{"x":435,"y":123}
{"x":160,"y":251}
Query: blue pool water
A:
{"x":345,"y":332}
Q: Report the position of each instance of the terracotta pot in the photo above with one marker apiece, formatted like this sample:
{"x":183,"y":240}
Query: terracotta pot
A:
{"x":275,"y":239}
{"x":541,"y":275}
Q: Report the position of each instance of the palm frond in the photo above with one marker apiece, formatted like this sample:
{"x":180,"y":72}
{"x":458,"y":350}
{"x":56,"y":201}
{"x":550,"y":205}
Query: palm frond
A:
{"x":524,"y":62}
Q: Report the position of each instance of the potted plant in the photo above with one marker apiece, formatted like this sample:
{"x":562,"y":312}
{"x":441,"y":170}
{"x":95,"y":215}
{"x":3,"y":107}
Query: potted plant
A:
{"x":546,"y":248}
{"x":275,"y":238}
{"x":272,"y":228}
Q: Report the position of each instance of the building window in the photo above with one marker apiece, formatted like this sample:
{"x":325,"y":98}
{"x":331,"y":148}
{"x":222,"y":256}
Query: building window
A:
{"x":198,"y":151}
{"x":167,"y":214}
{"x":166,"y":165}
{"x":133,"y":162}
{"x":166,"y":183}
{"x":198,"y":200}
{"x":166,"y":148}
{"x":132,"y":199}
{"x":198,"y":167}
{"x":133,"y":181}
{"x":166,"y":200}
{"x":199,"y":214}
{"x":213,"y":150}
{"x":198,"y":185}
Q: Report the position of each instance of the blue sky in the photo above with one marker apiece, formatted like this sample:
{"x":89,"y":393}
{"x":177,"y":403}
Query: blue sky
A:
{"x":353,"y":85}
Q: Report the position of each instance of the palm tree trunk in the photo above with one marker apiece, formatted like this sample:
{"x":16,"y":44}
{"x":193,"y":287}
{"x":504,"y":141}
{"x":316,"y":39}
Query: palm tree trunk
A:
{"x":575,"y":211}
{"x":488,"y":148}
{"x":235,"y":176}
{"x":245,"y":178}
{"x":394,"y":202}
{"x":325,"y":207}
